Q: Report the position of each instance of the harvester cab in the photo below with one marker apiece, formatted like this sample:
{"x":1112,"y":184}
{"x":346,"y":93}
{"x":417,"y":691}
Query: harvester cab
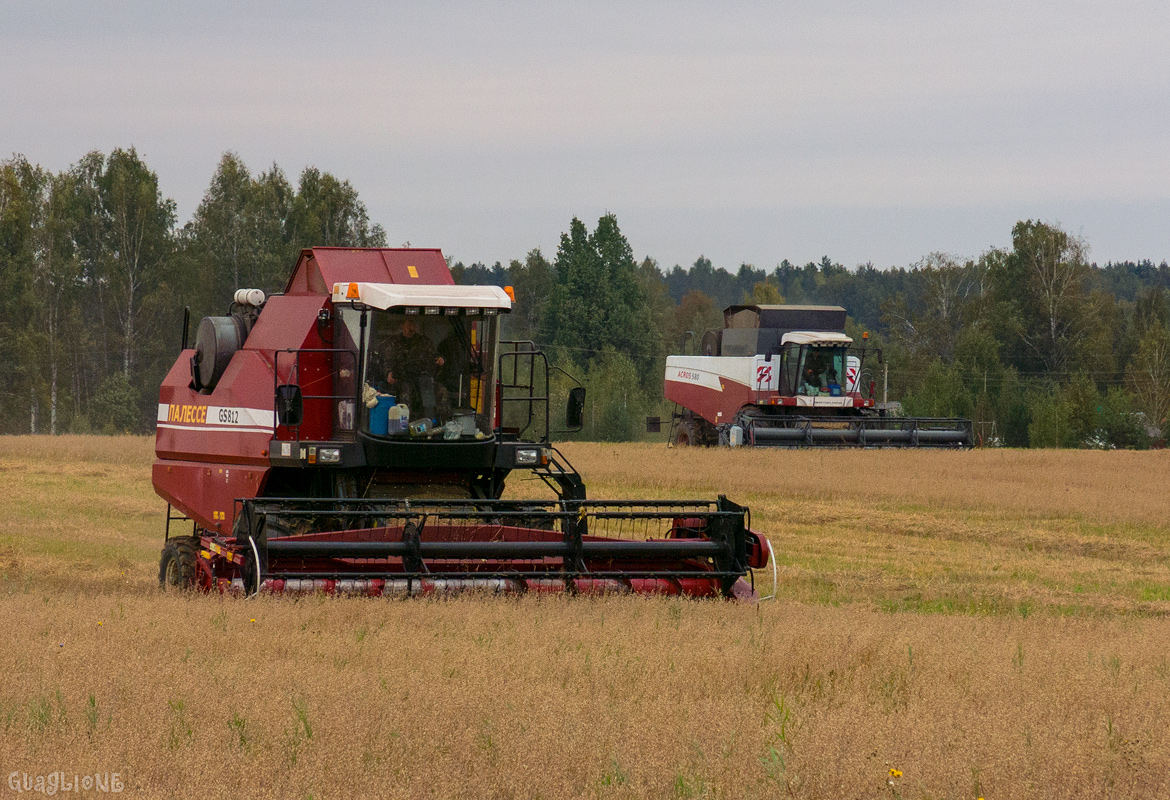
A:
{"x":429,"y":397}
{"x":812,"y":364}
{"x":355,"y":434}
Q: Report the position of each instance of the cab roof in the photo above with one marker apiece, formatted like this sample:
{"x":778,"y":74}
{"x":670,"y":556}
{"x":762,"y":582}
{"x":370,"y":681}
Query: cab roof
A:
{"x":816,"y":338}
{"x":385,"y":296}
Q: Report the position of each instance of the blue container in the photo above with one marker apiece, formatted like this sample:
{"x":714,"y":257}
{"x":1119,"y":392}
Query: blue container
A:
{"x":380,"y":415}
{"x":834,"y":390}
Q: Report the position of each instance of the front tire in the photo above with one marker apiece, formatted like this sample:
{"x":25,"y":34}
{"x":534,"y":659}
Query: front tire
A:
{"x":684,"y":433}
{"x":691,"y":430}
{"x":177,"y":567}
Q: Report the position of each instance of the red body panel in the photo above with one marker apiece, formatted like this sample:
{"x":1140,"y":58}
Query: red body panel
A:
{"x":286,"y":322}
{"x":189,"y":426}
{"x":695,"y":389}
{"x":320,"y":267}
{"x":207,"y":492}
{"x":245,"y":386}
{"x":717,"y":406}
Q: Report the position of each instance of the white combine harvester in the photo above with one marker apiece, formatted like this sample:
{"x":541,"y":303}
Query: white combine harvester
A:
{"x":789,"y":376}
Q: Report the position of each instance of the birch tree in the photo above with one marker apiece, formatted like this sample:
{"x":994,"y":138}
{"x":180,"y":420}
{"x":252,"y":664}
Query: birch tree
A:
{"x":1043,"y":278}
{"x":1148,"y":375}
{"x":138,"y":225}
{"x":58,"y":276}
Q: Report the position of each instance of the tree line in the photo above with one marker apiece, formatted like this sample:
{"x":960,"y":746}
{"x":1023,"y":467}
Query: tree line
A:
{"x":95,"y":272}
{"x":1034,"y":342}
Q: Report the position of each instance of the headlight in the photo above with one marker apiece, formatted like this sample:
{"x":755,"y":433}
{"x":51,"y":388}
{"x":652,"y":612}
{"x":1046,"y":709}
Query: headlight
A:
{"x":527,"y":458}
{"x":329,"y":455}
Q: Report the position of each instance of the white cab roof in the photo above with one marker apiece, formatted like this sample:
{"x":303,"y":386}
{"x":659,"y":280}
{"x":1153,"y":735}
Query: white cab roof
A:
{"x":392,"y":295}
{"x":826,"y":338}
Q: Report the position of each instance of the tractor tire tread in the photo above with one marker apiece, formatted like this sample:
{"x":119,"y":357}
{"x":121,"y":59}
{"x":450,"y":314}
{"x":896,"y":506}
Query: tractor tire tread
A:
{"x":185,"y":551}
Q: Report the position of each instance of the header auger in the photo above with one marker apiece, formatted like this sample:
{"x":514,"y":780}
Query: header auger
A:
{"x":355,"y":433}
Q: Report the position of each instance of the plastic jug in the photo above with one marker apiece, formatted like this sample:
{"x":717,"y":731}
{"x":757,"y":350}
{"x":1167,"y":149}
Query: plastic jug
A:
{"x":735,"y":436}
{"x":399,"y":418}
{"x":380,"y":415}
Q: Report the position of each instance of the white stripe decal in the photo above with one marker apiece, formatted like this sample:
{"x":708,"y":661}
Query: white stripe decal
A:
{"x":206,"y":417}
{"x":710,"y":371}
{"x":212,"y":428}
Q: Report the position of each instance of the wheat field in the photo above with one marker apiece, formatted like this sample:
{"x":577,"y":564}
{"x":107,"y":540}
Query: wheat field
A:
{"x":948,"y":625}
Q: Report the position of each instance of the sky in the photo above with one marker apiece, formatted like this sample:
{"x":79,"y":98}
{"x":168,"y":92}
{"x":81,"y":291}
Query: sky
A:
{"x":747,"y":132}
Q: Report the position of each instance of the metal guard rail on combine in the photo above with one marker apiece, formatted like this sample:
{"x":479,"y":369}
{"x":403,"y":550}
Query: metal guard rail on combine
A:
{"x":672,"y":535}
{"x":860,"y":432}
{"x":511,"y":382}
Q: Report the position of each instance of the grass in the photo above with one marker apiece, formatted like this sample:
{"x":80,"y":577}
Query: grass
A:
{"x":949,"y":625}
{"x":1069,"y":532}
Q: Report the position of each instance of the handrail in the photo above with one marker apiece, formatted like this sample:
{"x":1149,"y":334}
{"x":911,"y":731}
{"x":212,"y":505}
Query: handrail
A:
{"x":532,"y":399}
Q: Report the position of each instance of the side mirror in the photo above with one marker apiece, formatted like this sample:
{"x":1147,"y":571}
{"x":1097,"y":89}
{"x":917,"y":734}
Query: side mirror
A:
{"x":575,"y":411}
{"x":290,"y":406}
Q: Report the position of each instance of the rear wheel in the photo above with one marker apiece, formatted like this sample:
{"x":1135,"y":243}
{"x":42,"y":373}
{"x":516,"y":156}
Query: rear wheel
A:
{"x":177,"y":567}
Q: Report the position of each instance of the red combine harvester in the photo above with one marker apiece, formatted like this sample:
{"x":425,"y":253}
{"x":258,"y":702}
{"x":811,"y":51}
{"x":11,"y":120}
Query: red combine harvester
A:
{"x":789,"y":376}
{"x":354,"y":435}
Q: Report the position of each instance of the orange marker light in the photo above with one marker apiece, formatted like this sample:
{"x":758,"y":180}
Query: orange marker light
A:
{"x":510,"y":292}
{"x":352,"y":292}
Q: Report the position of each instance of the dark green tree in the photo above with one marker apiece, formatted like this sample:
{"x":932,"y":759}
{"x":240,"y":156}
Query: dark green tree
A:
{"x":598,"y":299}
{"x":1120,"y":424}
{"x":532,"y":280}
{"x":696,"y":313}
{"x":236,"y":237}
{"x":269,"y":206}
{"x":22,"y":189}
{"x":328,"y":213}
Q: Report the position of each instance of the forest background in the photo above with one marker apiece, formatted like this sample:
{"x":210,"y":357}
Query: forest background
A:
{"x":1037,"y":344}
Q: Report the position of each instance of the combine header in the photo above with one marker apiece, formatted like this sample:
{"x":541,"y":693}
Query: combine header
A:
{"x":789,"y":376}
{"x":354,"y":435}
